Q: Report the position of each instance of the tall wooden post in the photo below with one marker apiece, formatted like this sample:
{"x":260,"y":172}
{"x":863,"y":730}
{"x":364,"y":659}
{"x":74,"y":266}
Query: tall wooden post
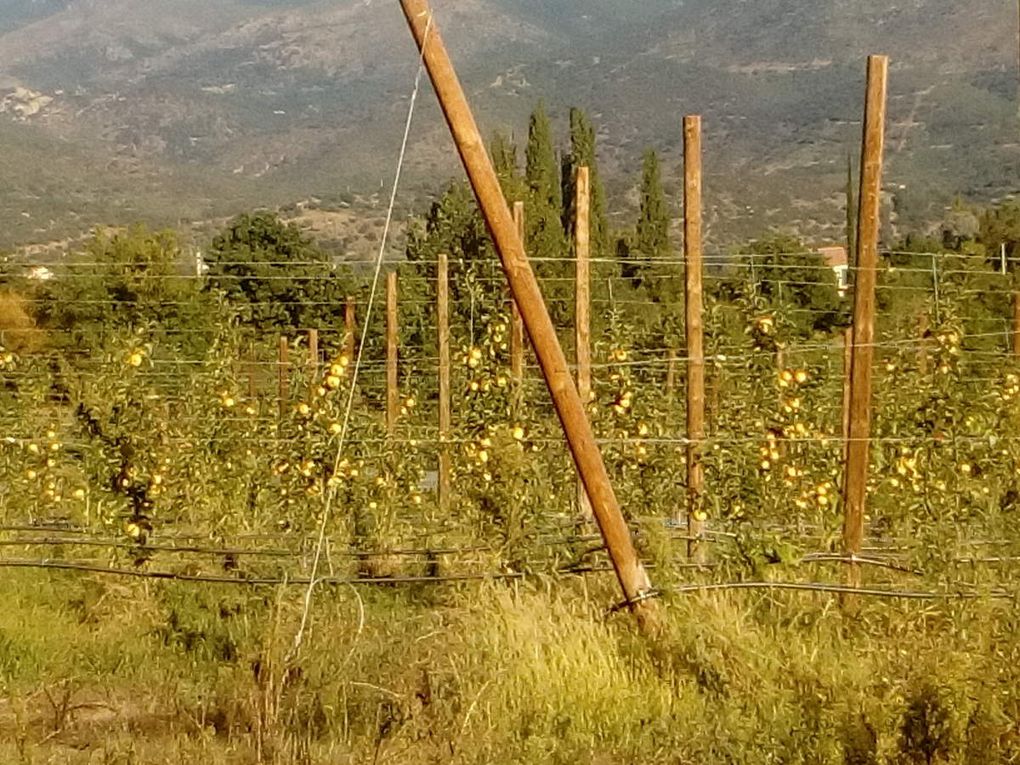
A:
{"x":313,"y":350}
{"x":1016,"y":324}
{"x":283,"y":375}
{"x":349,"y":328}
{"x":443,"y":330}
{"x":392,"y":394}
{"x":582,"y":304}
{"x":695,"y":337}
{"x":516,"y":323}
{"x":855,"y":482}
{"x":524,"y":286}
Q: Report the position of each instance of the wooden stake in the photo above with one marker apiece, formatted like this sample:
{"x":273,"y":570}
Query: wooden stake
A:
{"x":848,"y":346}
{"x":349,"y":328}
{"x":283,"y":375}
{"x":582,"y":305}
{"x":855,"y":483}
{"x":1016,"y":324}
{"x":443,"y":330}
{"x":695,"y":337}
{"x":313,"y":350}
{"x":580,"y":438}
{"x":516,"y":323}
{"x":392,"y":394}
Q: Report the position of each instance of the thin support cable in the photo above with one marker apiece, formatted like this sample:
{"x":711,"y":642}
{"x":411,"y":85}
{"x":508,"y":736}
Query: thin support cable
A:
{"x":384,"y":240}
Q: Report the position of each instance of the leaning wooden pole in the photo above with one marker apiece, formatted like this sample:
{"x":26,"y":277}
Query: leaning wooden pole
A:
{"x":858,"y":448}
{"x":695,"y":329}
{"x":582,"y":304}
{"x":524,"y":287}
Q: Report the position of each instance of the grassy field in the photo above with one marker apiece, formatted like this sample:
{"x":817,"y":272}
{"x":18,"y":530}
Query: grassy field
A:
{"x":98,"y":670}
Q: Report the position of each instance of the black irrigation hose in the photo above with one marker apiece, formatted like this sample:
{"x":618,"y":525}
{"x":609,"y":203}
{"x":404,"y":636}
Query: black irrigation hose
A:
{"x":406,"y":580}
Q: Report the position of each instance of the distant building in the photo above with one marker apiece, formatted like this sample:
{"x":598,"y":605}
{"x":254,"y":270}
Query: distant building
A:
{"x":836,"y":258}
{"x":40,"y":274}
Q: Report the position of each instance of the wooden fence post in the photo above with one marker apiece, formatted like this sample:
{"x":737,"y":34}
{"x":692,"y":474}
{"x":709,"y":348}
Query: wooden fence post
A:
{"x":524,"y":286}
{"x":582,"y":306}
{"x":313,"y":350}
{"x":695,"y":337}
{"x":349,"y":328}
{"x":283,"y":375}
{"x":392,"y":330}
{"x":1016,"y":324}
{"x":443,"y":330}
{"x":516,"y":323}
{"x":848,"y":349}
{"x":855,"y":483}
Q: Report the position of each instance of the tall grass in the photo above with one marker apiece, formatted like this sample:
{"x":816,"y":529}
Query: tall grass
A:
{"x":96,"y":671}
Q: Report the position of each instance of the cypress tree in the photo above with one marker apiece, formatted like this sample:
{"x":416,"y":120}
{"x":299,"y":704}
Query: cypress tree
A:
{"x":851,"y":211}
{"x":503,"y":151}
{"x":583,"y":154}
{"x":651,"y":237}
{"x":547,"y":242}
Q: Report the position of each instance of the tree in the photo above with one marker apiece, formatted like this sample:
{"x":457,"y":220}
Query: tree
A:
{"x":129,"y":279}
{"x":583,"y":154}
{"x":503,"y":151}
{"x":1000,"y":225}
{"x":851,"y":210}
{"x":547,"y":242}
{"x":455,"y":226}
{"x":275,"y":275}
{"x":788,"y":274}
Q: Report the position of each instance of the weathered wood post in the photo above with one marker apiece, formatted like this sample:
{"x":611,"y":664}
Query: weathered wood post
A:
{"x":392,"y":330}
{"x":1016,"y":324}
{"x":443,"y":332}
{"x":524,"y":286}
{"x":855,"y":483}
{"x":313,"y":350}
{"x":283,"y":375}
{"x":693,"y":267}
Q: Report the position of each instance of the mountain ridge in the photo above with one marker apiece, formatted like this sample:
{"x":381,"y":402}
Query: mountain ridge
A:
{"x":268,"y":102}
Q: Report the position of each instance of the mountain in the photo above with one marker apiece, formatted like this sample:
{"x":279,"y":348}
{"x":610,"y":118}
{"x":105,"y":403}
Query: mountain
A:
{"x":162,"y":110}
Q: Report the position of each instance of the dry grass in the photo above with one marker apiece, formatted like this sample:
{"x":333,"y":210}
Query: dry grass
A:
{"x":94,"y":672}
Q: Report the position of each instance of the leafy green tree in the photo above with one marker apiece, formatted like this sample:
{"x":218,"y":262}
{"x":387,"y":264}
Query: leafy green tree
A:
{"x":454,"y":225}
{"x":275,"y":275}
{"x":1000,"y":225}
{"x":124,"y":280}
{"x":786,"y":273}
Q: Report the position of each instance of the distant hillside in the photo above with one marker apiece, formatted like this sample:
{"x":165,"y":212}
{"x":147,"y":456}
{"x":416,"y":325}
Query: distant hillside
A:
{"x":165,"y":109}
